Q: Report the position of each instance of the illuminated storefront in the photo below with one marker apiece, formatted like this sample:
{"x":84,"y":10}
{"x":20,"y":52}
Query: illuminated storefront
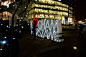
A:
{"x":70,"y":21}
{"x":6,"y":3}
{"x":50,"y":9}
{"x":6,"y":16}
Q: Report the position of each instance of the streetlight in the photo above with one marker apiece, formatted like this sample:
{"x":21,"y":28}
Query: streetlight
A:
{"x":13,"y":5}
{"x":25,"y":7}
{"x":59,"y":0}
{"x":26,"y":15}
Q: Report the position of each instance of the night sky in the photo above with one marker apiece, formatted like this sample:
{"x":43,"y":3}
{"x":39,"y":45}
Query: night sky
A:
{"x":80,"y":9}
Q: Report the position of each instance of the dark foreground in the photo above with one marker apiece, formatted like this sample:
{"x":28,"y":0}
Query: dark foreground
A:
{"x":71,"y":47}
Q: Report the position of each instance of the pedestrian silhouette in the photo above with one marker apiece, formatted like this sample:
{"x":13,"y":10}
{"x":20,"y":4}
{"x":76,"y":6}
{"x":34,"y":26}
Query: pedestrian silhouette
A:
{"x":81,"y":31}
{"x":34,"y":29}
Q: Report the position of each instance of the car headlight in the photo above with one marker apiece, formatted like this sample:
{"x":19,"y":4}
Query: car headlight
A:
{"x":3,"y":42}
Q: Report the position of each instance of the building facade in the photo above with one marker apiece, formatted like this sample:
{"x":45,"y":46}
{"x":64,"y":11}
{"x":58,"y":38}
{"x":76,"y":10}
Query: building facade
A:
{"x":49,"y":9}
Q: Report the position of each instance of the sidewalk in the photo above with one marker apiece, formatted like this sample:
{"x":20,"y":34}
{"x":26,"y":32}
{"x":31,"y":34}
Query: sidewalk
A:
{"x":48,"y":48}
{"x":67,"y":27}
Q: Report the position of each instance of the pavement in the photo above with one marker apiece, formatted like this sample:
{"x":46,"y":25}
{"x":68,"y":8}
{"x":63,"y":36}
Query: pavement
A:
{"x":69,"y":27}
{"x":41,"y":47}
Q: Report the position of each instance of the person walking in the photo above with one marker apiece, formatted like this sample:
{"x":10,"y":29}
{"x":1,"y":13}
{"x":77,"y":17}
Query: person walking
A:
{"x":81,"y":31}
{"x":34,"y":29}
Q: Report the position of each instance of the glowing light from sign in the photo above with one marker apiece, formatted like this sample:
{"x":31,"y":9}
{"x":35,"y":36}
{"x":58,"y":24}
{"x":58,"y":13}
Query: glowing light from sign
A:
{"x":47,"y":28}
{"x":35,"y":20}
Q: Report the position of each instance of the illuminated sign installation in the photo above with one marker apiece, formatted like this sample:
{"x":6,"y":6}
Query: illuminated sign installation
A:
{"x":35,"y":20}
{"x":49,"y":29}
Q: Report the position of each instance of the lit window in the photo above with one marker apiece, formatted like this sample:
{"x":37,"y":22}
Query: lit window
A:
{"x":41,"y":16}
{"x":51,"y":7}
{"x":60,"y":8}
{"x":65,"y":9}
{"x":50,"y":11}
{"x":36,"y":10}
{"x":57,"y":7}
{"x":43,"y":0}
{"x":45,"y":11}
{"x":36,"y":5}
{"x":42,"y":11}
{"x":55,"y":2}
{"x":61,"y":4}
{"x":60,"y":17}
{"x":46,"y":1}
{"x":48,"y":6}
{"x":60,"y":13}
{"x":54,"y":7}
{"x":49,"y":2}
{"x":36,"y":16}
{"x":35,"y":0}
{"x":33,"y":5}
{"x":51,"y":16}
{"x":40,"y":0}
{"x":52,"y":2}
{"x":56,"y":16}
{"x":56,"y":12}
{"x":39,"y":10}
{"x":32,"y":16}
{"x":46,"y":16}
{"x":42,"y":5}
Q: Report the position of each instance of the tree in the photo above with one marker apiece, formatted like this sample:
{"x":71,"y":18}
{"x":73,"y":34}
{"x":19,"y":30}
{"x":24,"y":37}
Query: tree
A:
{"x":18,"y":6}
{"x":18,"y":2}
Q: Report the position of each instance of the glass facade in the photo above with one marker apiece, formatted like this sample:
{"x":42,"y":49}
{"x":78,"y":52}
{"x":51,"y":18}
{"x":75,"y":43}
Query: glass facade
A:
{"x":50,"y":10}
